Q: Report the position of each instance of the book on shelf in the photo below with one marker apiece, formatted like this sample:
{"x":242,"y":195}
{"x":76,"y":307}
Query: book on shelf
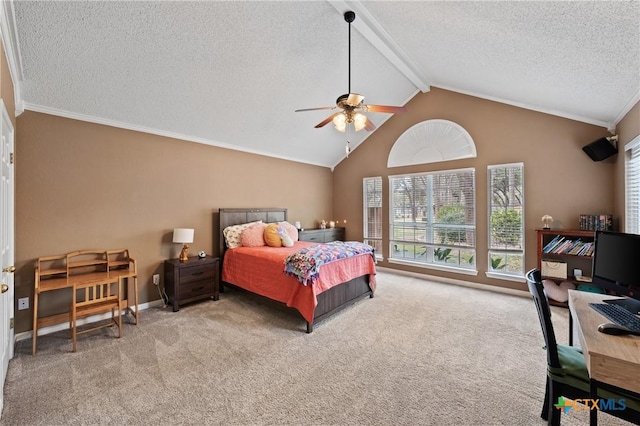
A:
{"x":596,"y":222}
{"x":553,"y":243}
{"x":576,"y":247}
{"x":562,"y":245}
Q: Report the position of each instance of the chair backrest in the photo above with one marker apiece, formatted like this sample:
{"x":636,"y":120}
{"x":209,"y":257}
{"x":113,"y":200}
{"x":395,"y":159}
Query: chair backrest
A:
{"x":93,"y":298}
{"x":534,"y":281}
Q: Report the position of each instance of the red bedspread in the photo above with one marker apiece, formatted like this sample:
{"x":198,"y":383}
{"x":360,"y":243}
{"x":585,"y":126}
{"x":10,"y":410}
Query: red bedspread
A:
{"x":260,"y":270}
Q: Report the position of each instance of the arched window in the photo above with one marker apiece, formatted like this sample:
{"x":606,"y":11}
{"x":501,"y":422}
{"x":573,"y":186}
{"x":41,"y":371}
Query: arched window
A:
{"x":431,"y":141}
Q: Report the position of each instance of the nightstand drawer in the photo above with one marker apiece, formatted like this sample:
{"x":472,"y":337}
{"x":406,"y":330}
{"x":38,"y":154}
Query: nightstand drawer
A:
{"x":196,"y":273}
{"x":195,"y":289}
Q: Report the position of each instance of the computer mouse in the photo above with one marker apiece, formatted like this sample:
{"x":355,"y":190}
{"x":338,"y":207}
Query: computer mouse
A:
{"x":611,"y":328}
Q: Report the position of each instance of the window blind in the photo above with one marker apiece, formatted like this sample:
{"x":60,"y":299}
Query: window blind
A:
{"x":432,"y":218}
{"x":506,"y":218}
{"x":372,"y":211}
{"x":632,"y":186}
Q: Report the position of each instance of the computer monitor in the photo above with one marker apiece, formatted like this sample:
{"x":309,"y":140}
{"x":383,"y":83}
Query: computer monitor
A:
{"x":615,"y":265}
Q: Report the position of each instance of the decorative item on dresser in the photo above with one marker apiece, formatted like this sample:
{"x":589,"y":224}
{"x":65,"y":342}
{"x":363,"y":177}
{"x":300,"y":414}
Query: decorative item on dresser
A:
{"x":193,"y":279}
{"x":317,"y":299}
{"x":322,"y":235}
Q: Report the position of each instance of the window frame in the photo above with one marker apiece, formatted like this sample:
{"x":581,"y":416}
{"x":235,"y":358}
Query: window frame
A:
{"x":463,"y":258}
{"x":492,"y":251}
{"x":367,"y":221}
{"x":632,"y":186}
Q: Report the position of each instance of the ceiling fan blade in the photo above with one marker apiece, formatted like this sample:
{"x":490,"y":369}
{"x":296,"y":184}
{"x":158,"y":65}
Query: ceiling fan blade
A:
{"x":354,"y":99}
{"x":314,"y":109}
{"x":386,"y":108}
{"x":326,"y":121}
{"x":369,"y":126}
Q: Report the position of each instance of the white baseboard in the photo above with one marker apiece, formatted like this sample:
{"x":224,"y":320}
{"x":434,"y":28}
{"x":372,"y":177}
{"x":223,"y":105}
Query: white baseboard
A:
{"x":65,"y":326}
{"x":463,"y":283}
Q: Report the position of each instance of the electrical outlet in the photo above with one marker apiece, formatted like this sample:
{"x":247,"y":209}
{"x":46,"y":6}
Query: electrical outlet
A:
{"x":156,"y":279}
{"x":23,"y":303}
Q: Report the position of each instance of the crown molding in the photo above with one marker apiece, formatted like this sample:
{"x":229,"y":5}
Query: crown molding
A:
{"x":633,"y":100}
{"x":12,"y":51}
{"x":381,"y":40}
{"x":588,"y":120}
{"x":157,"y":132}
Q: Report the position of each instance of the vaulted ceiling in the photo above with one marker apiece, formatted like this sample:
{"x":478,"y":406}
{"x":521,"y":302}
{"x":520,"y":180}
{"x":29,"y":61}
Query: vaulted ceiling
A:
{"x":231,"y":73}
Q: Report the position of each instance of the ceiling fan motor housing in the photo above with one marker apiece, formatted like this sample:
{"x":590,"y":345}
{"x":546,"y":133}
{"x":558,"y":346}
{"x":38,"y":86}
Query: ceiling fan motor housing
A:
{"x":349,"y":16}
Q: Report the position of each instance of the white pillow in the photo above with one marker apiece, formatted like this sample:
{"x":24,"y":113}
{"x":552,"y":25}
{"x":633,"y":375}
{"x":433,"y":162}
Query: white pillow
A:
{"x":232,"y":234}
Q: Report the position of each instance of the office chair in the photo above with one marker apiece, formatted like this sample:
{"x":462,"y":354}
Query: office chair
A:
{"x":567,"y":373}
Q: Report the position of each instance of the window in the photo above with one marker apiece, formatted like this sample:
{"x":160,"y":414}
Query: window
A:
{"x":632,"y":186}
{"x":433,"y":219}
{"x":506,"y":224}
{"x":372,"y":196}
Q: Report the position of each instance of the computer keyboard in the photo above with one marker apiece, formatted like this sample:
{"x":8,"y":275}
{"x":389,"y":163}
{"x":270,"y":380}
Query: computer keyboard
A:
{"x":618,"y":315}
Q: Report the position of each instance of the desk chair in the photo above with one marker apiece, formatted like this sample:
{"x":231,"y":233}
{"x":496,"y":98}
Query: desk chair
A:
{"x":95,"y":298}
{"x":567,"y":373}
{"x":94,"y":291}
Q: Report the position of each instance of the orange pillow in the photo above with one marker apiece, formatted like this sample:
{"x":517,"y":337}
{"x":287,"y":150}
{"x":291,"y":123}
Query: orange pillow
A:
{"x":271,"y":236}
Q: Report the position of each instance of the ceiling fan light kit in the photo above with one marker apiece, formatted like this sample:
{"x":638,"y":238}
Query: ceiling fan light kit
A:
{"x":351,"y":104}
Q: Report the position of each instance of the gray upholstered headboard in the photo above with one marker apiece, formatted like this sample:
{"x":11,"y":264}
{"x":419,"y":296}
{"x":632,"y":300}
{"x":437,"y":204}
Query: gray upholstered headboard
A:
{"x":230,"y":217}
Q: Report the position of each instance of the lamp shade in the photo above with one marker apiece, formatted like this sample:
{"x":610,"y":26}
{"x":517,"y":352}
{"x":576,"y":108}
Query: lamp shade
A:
{"x":182,"y":235}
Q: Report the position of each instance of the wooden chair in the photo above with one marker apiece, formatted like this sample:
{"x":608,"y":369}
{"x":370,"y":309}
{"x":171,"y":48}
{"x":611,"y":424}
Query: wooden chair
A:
{"x":94,"y":291}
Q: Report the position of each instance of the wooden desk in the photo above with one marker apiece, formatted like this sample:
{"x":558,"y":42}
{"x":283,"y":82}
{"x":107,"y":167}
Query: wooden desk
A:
{"x":614,"y":360}
{"x":55,"y":273}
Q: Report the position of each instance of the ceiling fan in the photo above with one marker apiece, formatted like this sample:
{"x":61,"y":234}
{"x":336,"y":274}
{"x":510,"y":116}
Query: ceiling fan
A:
{"x":351,"y":104}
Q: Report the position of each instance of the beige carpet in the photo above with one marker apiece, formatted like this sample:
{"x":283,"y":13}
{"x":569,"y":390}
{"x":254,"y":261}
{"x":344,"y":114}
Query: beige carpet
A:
{"x":419,"y":353}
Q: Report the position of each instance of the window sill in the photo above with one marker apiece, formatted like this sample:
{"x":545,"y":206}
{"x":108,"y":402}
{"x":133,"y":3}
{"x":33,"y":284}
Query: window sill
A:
{"x":506,"y":277}
{"x":435,"y":267}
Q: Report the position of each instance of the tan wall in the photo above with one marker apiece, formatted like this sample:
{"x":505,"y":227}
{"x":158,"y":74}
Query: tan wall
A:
{"x":82,"y":185}
{"x":560,"y":179}
{"x":627,"y":129}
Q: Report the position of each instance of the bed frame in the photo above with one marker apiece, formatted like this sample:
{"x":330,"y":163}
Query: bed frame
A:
{"x":330,"y":301}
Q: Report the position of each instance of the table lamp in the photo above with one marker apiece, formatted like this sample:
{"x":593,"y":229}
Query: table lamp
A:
{"x":183,"y":236}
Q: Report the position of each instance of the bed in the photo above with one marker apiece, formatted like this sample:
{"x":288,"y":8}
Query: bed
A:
{"x":328,"y":294}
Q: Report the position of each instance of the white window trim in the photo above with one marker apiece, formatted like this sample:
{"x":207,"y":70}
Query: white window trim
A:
{"x":466,"y":271}
{"x":495,"y":274}
{"x":365,"y":218}
{"x":444,"y":268}
{"x":633,"y":145}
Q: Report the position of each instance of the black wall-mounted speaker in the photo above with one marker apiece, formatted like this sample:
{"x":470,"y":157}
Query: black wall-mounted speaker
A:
{"x":600,"y":149}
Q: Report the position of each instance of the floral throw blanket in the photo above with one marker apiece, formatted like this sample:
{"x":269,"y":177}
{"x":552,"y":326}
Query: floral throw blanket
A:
{"x":305,"y":263}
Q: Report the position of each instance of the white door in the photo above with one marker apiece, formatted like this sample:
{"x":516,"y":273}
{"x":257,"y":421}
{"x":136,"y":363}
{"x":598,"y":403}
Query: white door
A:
{"x":6,"y":244}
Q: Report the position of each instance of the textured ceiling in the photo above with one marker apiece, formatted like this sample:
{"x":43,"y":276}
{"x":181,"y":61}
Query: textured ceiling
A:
{"x":232,"y":73}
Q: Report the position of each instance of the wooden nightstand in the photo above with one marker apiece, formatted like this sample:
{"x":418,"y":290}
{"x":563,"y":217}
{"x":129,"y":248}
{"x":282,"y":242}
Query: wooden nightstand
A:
{"x":322,"y":235}
{"x":195,"y":279}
